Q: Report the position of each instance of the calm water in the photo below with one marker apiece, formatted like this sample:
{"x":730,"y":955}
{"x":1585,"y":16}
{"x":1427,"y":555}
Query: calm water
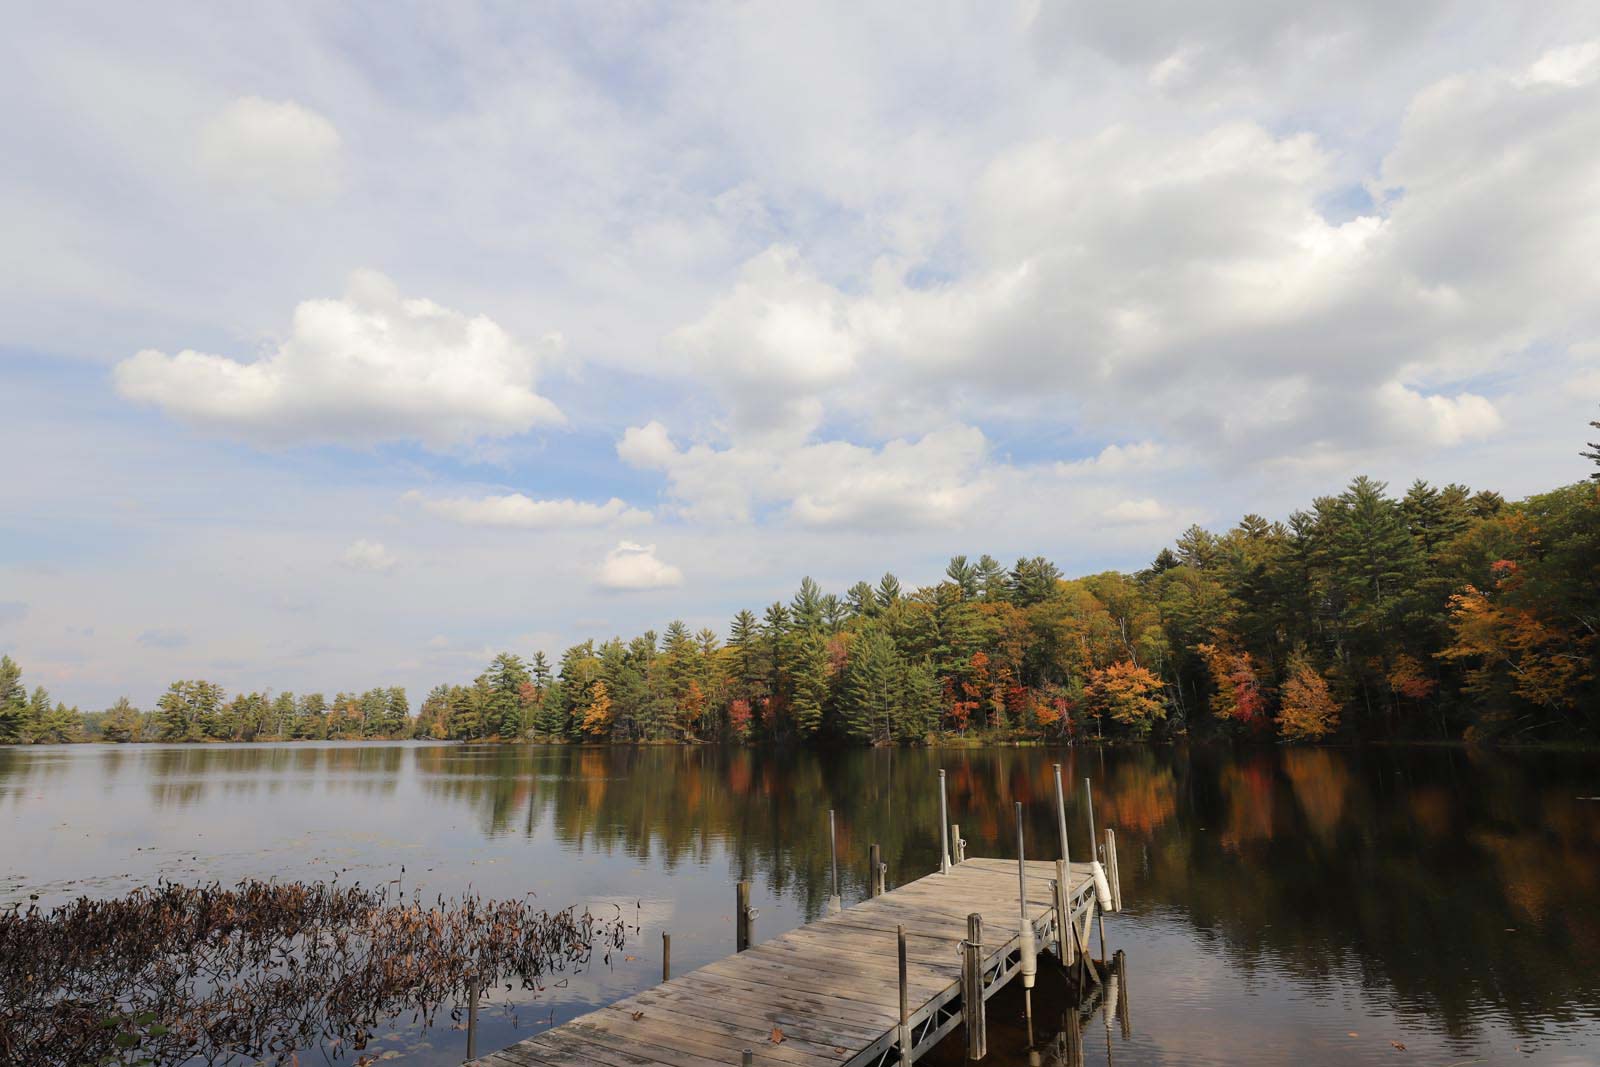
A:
{"x":1303,"y":904}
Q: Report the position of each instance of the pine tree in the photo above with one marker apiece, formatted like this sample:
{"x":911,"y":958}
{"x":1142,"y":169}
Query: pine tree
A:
{"x":861,"y":600}
{"x":871,"y":699}
{"x":810,"y":683}
{"x":777,"y":649}
{"x":964,"y":576}
{"x":433,"y":718}
{"x":744,"y":655}
{"x":121,"y":722}
{"x":13,"y":702}
{"x":807,"y":606}
{"x":397,"y":712}
{"x":991,"y":578}
{"x":507,"y":676}
{"x":311,"y":717}
{"x":1033,"y":580}
{"x":889,"y":592}
{"x":919,"y":702}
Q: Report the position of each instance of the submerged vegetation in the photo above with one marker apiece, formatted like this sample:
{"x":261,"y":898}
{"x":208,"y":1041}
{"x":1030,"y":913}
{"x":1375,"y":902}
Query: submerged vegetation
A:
{"x":1439,"y":614}
{"x":202,"y":974}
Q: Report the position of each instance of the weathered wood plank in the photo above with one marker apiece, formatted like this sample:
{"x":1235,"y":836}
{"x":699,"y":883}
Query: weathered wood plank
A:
{"x":830,"y":987}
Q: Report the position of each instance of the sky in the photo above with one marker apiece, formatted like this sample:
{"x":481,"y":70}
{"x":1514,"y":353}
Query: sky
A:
{"x":347,"y":345}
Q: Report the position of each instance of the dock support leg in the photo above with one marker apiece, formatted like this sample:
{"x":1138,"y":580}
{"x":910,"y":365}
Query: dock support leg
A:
{"x":835,"y":906}
{"x":1058,"y":895}
{"x":958,"y":847}
{"x":1061,"y":819}
{"x":1113,"y":870}
{"x":472,"y":1021}
{"x":741,"y":927}
{"x":972,"y":1006}
{"x":1025,"y":943}
{"x":666,"y":956}
{"x":1125,"y":1015}
{"x":874,"y":861}
{"x":944,"y":827}
{"x":905,"y":1004}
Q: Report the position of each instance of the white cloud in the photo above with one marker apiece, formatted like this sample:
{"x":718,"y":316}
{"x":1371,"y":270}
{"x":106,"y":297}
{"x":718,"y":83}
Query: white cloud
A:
{"x":776,"y":339}
{"x":634,"y":567}
{"x":1235,"y":47}
{"x":1144,"y":509}
{"x":518,"y":510}
{"x":935,"y":479}
{"x":370,"y":367}
{"x":1570,"y":67}
{"x":366,"y":555}
{"x":277,"y":147}
{"x":1438,"y":420}
{"x":1190,"y":287}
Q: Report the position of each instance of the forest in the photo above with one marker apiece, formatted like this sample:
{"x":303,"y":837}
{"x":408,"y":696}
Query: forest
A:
{"x":1440,"y":613}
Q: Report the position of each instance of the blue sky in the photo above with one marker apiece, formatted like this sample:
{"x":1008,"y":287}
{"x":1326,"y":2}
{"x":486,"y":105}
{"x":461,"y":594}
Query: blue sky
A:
{"x":347,"y":346}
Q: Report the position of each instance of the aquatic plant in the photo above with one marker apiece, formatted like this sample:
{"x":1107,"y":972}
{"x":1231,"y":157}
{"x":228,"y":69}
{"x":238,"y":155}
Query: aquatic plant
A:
{"x":176,"y":974}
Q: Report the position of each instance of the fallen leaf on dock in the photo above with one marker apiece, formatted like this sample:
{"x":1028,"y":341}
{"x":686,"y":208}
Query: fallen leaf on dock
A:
{"x":777,"y":1035}
{"x":1398,"y":1045}
{"x":630,"y":959}
{"x":1354,"y":1034}
{"x":638,"y":1015}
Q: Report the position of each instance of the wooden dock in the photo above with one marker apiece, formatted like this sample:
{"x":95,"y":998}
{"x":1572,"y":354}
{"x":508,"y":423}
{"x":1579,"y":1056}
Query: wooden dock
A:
{"x":828,"y":993}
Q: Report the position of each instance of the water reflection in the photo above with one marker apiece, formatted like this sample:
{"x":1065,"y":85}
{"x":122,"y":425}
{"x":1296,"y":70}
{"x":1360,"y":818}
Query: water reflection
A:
{"x":1307,"y":891}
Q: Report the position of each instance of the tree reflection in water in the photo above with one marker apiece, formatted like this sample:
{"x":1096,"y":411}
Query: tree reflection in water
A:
{"x":1276,"y":898}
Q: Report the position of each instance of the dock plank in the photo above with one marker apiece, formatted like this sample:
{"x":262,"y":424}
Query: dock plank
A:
{"x":829,"y":988}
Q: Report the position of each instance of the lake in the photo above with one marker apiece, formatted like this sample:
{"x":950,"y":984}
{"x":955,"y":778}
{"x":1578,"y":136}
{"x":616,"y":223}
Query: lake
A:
{"x":1319,"y":905}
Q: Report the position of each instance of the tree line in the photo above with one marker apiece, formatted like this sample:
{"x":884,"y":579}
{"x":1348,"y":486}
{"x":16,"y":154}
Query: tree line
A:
{"x":1438,"y":613}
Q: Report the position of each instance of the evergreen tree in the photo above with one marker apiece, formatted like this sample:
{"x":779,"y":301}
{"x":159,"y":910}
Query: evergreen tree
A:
{"x":190,"y":711}
{"x":964,"y":576}
{"x":919,"y":701}
{"x":811,"y":683}
{"x":466,"y":713}
{"x":744,"y":654}
{"x":806,"y":607}
{"x":397,"y":712}
{"x":311,"y":717}
{"x":871,"y":704}
{"x":861,"y":600}
{"x":992,"y":578}
{"x":433,"y":718}
{"x":1033,"y":581}
{"x":507,"y":677}
{"x":121,"y":722}
{"x":13,"y":702}
{"x":777,"y":646}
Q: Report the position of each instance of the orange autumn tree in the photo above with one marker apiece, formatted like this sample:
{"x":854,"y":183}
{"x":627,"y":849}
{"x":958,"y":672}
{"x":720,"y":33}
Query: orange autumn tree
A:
{"x":1408,"y":678}
{"x":691,"y":706}
{"x":1307,"y":711}
{"x":1239,"y":694}
{"x":1543,"y":663}
{"x":739,"y":718}
{"x":1127,"y":694}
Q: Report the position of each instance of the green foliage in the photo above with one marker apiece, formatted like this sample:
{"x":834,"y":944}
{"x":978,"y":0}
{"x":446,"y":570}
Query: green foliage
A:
{"x":1439,"y":613}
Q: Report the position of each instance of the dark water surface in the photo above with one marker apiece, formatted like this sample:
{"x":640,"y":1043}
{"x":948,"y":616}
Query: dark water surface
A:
{"x":1306,"y":905}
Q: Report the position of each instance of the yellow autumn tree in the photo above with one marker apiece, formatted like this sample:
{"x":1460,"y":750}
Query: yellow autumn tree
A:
{"x":1127,"y":694}
{"x":1308,"y":711}
{"x":597,"y":716}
